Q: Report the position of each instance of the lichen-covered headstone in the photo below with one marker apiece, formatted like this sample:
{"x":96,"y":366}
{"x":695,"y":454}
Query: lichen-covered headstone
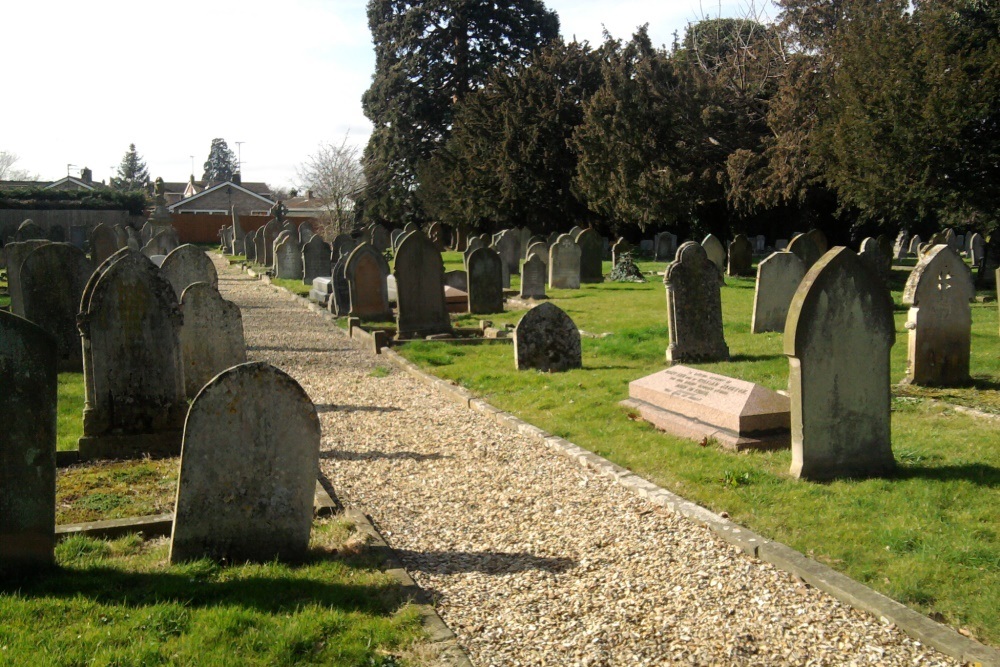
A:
{"x":591,"y":251}
{"x":130,"y":322}
{"x":103,"y":243}
{"x":163,"y":243}
{"x":420,"y":305}
{"x":29,"y":230}
{"x":14,"y":254}
{"x":694,"y":307}
{"x":564,"y":263}
{"x":316,"y":263}
{"x":806,"y":248}
{"x":778,"y":278}
{"x":533,"y":273}
{"x":485,"y":282}
{"x":248,"y":469}
{"x":547,"y":339}
{"x":715,"y":251}
{"x":212,"y":336}
{"x":740,"y":256}
{"x":940,"y":320}
{"x":186,"y":265}
{"x":29,"y":379}
{"x":837,"y":338}
{"x":366,"y":270}
{"x":53,"y":277}
{"x":288,"y":259}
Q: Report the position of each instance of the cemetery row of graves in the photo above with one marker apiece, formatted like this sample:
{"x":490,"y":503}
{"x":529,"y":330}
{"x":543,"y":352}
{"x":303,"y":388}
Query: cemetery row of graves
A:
{"x":249,"y":573}
{"x":851,"y":368}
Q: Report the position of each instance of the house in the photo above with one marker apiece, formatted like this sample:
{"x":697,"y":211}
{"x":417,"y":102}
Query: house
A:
{"x":218,"y":198}
{"x":84,"y":182}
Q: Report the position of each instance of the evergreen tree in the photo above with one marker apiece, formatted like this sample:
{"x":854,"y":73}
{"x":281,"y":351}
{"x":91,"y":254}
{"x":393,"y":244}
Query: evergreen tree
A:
{"x":428,"y":57}
{"x":132,"y":172}
{"x":221,"y":163}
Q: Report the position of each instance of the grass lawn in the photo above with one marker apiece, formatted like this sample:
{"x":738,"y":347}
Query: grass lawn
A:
{"x":293,"y":286}
{"x":929,"y":537}
{"x":120,"y":603}
{"x":4,"y":296}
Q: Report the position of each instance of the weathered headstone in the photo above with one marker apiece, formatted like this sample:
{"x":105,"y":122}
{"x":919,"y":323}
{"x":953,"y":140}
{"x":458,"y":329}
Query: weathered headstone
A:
{"x":694,"y":307}
{"x":130,"y":322}
{"x":901,"y":246}
{"x":270,"y":233}
{"x":509,"y":247}
{"x":103,"y":243}
{"x":976,"y":249}
{"x":163,"y":243}
{"x":620,"y":247}
{"x":420,"y":305}
{"x":288,"y":259}
{"x":988,"y":265}
{"x":53,"y":277}
{"x":29,"y":230}
{"x":872,"y":254}
{"x":938,"y":292}
{"x":365,"y":270}
{"x":885,"y":248}
{"x":759,"y":243}
{"x":248,"y":469}
{"x":951,"y":239}
{"x":260,"y":254}
{"x":781,"y":244}
{"x":186,"y":265}
{"x":339,"y":303}
{"x":316,"y":263}
{"x":837,"y":339}
{"x":146,"y":232}
{"x":740,"y":256}
{"x":540,"y":250}
{"x":121,"y":236}
{"x":458,"y":279}
{"x":778,"y":278}
{"x":15,"y":254}
{"x":212,"y":336}
{"x":533,"y":273}
{"x":474,"y":244}
{"x":411,"y":227}
{"x":306,"y":232}
{"x":342,"y":246}
{"x":715,"y":252}
{"x":552,"y":238}
{"x":575,"y":231}
{"x":29,"y":379}
{"x":591,"y":270}
{"x":133,"y":242}
{"x":914,"y":246}
{"x":380,"y":238}
{"x":485,"y":282}
{"x":547,"y":339}
{"x":564,"y":264}
{"x":664,"y":246}
{"x":806,"y":248}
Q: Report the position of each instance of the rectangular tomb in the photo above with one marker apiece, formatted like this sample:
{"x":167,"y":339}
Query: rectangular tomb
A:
{"x":696,"y":404}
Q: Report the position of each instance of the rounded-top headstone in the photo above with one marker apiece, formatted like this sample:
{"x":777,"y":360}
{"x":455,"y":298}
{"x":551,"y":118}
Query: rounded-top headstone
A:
{"x":212,"y":336}
{"x":591,"y":251}
{"x":420,"y":309}
{"x":547,"y":339}
{"x":186,"y":265}
{"x":715,"y":251}
{"x":778,"y":278}
{"x":29,"y":230}
{"x":807,"y":248}
{"x":694,"y":307}
{"x":740,"y":256}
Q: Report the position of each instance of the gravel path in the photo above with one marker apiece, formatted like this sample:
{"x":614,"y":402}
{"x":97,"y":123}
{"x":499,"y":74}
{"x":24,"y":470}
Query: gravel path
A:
{"x":534,"y":560}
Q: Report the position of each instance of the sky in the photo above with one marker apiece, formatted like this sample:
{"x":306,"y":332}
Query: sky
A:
{"x":83,"y":80}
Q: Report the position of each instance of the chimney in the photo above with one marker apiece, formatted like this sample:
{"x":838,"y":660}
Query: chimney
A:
{"x":309,"y":194}
{"x":236,"y":178}
{"x":86,"y":175}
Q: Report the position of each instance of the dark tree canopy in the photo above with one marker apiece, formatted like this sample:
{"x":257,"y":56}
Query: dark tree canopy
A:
{"x":221,"y":163}
{"x":428,"y":57}
{"x":132,"y":172}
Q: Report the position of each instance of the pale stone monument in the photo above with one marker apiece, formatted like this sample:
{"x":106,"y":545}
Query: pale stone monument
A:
{"x":591,"y":270}
{"x":564,"y":264}
{"x":365,"y":271}
{"x":938,"y":292}
{"x":901,"y":246}
{"x":740,"y":256}
{"x":837,"y":339}
{"x":715,"y":252}
{"x":29,"y":379}
{"x":316,"y":263}
{"x":778,"y":278}
{"x":186,"y":265}
{"x":249,"y":467}
{"x":53,"y":277}
{"x":533,"y":277}
{"x":212,"y":336}
{"x":485,"y":282}
{"x":103,"y":243}
{"x":694,"y":307}
{"x":420,"y":304}
{"x":547,"y":339}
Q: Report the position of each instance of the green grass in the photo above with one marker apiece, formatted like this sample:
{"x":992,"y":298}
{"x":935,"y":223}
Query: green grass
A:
{"x":99,"y":490}
{"x":120,"y":603}
{"x":71,"y":397}
{"x":293,"y":286}
{"x":4,"y":296}
{"x":930,"y":537}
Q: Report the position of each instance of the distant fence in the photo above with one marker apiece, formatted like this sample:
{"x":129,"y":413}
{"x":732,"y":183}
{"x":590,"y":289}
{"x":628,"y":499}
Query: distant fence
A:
{"x":65,"y":219}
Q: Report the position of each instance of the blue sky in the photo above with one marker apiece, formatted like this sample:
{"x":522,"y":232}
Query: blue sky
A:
{"x":82,"y":81}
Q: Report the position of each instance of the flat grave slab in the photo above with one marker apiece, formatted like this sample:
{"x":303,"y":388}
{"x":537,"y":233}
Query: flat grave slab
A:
{"x":696,"y":404}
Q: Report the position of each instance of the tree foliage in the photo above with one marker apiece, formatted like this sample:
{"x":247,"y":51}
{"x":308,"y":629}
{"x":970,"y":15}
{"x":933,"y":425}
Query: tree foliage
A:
{"x":132,"y":172}
{"x":428,"y":57}
{"x":9,"y":173}
{"x":221,"y":163}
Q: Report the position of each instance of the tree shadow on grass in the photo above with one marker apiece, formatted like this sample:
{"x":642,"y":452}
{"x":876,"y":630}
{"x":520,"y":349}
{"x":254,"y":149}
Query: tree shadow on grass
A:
{"x":979,"y":474}
{"x":342,"y":455}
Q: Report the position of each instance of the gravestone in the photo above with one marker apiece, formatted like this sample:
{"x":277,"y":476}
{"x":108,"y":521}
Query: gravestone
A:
{"x":475,"y":243}
{"x":539,"y":250}
{"x":885,"y":248}
{"x":146,"y":232}
{"x":316,"y":263}
{"x":103,"y":243}
{"x":163,"y":243}
{"x":29,"y":379}
{"x":458,"y":279}
{"x":211,"y":338}
{"x":157,"y":260}
{"x":533,"y":277}
{"x":120,"y":236}
{"x":574,"y":232}
{"x":411,"y":227}
{"x":14,"y":254}
{"x":914,"y":246}
{"x":564,"y":264}
{"x":781,"y":244}
{"x":819,"y":240}
{"x":437,"y":236}
{"x":288,"y":259}
{"x":950,"y":239}
{"x":394,"y":235}
{"x":901,"y":246}
{"x":342,"y":246}
{"x":872,"y":254}
{"x":976,"y":248}
{"x":620,"y":247}
{"x":186,"y":265}
{"x":591,"y":252}
{"x":552,"y":238}
{"x":485,"y":282}
{"x":249,"y":468}
{"x":270,"y":233}
{"x":321,"y":289}
{"x":938,"y":292}
{"x":664,"y":246}
{"x":53,"y":277}
{"x":524,"y":235}
{"x":547,"y":339}
{"x":806,"y":248}
{"x":986,"y":271}
{"x":837,"y":338}
{"x":29,"y":230}
{"x":259,"y":247}
{"x":509,"y":247}
{"x":715,"y":252}
{"x":130,"y":322}
{"x":778,"y":278}
{"x":694,"y":307}
{"x":365,"y":270}
{"x":78,"y":235}
{"x":133,"y":242}
{"x":249,"y":247}
{"x":306,"y":233}
{"x":759,"y":244}
{"x":420,"y":305}
{"x":740,"y":256}
{"x":339,"y":303}
{"x":380,"y":238}
{"x":399,"y":239}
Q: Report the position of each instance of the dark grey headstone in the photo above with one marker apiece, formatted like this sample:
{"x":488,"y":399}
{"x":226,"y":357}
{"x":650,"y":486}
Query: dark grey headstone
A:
{"x":14,"y":254}
{"x":316,"y":262}
{"x":366,"y":271}
{"x":103,"y":243}
{"x":339,"y":303}
{"x":564,"y":263}
{"x":547,"y":339}
{"x":288,"y":258}
{"x":694,"y":307}
{"x":591,"y":270}
{"x":485,"y":282}
{"x":420,"y":309}
{"x":342,"y":246}
{"x":458,"y":279}
{"x":270,"y":233}
{"x":533,"y":273}
{"x":29,"y":230}
{"x":740,"y":256}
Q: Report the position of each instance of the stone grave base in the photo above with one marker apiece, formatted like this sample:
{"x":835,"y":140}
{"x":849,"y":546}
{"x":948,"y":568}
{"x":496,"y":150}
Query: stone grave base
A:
{"x":133,"y":446}
{"x":688,"y":427}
